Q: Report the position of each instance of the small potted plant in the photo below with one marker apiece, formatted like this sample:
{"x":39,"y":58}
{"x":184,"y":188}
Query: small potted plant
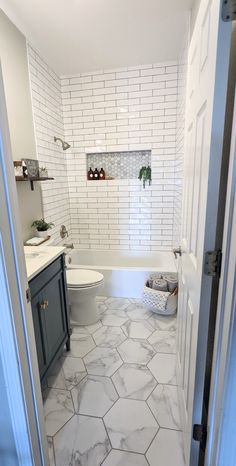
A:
{"x":43,"y":172}
{"x":42,"y":227}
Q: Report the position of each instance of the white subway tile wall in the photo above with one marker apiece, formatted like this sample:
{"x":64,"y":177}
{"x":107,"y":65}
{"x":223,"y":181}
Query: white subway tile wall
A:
{"x":132,"y":109}
{"x":48,"y":122}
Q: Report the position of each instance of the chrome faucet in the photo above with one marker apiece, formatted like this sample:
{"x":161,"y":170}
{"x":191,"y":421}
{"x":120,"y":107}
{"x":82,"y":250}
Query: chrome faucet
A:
{"x":177,"y":251}
{"x":63,"y":232}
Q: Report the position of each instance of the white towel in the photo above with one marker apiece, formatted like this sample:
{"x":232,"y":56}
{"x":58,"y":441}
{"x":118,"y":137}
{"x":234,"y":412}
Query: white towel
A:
{"x":160,"y":285}
{"x":172,"y":281}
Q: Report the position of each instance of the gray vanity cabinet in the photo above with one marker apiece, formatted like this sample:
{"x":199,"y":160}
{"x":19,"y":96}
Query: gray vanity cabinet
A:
{"x":50,"y":314}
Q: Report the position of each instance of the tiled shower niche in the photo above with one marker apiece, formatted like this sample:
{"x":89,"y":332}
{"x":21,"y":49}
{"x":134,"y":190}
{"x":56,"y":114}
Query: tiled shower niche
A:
{"x":120,"y":165}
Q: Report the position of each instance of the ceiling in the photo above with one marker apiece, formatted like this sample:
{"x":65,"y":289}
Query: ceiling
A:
{"x":77,"y":36}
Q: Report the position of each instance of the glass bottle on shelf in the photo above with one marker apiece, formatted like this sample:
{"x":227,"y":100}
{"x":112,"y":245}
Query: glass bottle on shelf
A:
{"x":102,"y":174}
{"x":90,"y":174}
{"x":96,"y":174}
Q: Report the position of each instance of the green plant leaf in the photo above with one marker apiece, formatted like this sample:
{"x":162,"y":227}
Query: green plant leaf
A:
{"x":42,"y":225}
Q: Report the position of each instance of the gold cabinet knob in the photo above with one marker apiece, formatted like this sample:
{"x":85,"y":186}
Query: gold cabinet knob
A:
{"x":44,"y":304}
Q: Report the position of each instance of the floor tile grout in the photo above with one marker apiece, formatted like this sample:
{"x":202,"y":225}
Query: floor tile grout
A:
{"x":102,"y":374}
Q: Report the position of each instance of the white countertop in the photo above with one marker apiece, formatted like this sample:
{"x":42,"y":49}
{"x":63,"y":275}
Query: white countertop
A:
{"x":39,"y":257}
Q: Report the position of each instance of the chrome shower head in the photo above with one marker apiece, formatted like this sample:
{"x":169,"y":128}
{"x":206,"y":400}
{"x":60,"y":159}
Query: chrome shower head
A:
{"x":64,"y":144}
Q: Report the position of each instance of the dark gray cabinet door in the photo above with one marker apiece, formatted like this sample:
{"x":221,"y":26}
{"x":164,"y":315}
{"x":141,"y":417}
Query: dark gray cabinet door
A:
{"x":50,"y":314}
{"x":54,"y":315}
{"x":38,"y":320}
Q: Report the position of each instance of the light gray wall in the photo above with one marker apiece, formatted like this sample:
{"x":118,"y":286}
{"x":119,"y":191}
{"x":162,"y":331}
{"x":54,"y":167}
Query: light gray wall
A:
{"x":8,"y":456}
{"x":193,"y":15}
{"x":14,"y":62}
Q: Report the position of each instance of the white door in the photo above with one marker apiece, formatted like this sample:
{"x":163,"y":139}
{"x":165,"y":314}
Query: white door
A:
{"x":221,"y":446}
{"x":204,"y":125}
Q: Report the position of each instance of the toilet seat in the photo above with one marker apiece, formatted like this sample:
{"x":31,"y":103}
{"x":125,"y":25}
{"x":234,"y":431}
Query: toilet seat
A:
{"x":82,"y":278}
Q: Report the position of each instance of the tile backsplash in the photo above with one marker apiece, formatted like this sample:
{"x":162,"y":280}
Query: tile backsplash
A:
{"x":129,"y":109}
{"x":48,"y":122}
{"x":120,"y":165}
{"x":129,"y":113}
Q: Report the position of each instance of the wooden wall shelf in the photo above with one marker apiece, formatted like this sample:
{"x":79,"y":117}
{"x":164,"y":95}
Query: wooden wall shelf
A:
{"x":31,"y":179}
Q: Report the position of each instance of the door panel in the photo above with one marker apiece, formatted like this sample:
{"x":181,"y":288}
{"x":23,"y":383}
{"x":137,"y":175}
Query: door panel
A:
{"x":207,"y":76}
{"x":54,"y":315}
{"x":41,"y":344}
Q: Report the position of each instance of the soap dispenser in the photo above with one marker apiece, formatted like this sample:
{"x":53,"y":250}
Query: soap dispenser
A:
{"x":102,"y":174}
{"x":96,"y":174}
{"x":90,"y":174}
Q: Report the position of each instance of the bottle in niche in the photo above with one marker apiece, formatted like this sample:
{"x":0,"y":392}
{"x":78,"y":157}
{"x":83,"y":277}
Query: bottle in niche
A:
{"x":102,"y":174}
{"x":96,"y":174}
{"x":90,"y":174}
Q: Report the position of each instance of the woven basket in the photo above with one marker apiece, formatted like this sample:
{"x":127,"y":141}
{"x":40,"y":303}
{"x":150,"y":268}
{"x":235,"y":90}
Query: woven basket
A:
{"x":156,"y":301}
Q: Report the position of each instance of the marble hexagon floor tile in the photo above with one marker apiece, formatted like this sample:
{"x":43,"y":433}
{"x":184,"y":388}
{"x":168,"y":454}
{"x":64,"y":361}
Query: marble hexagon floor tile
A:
{"x":93,"y":327}
{"x":94,"y":396}
{"x":67,"y":373}
{"x":51,"y":451}
{"x":58,"y":409}
{"x":163,"y":322}
{"x":122,"y":458}
{"x":130,"y":425}
{"x":117,"y":303}
{"x":116,"y":312}
{"x":163,"y":341}
{"x":109,"y":337}
{"x":136,"y":351}
{"x":82,"y":441}
{"x":102,"y":361}
{"x":86,"y":330}
{"x":74,"y":371}
{"x":101,"y":306}
{"x":166,"y":449}
{"x":114,"y":319}
{"x":80,"y":345}
{"x":101,"y":298}
{"x":116,"y":367}
{"x":134,"y":304}
{"x":163,"y":403}
{"x":56,"y":378}
{"x":137,"y":312}
{"x":162,"y":367}
{"x":137,"y":329}
{"x":134,"y":381}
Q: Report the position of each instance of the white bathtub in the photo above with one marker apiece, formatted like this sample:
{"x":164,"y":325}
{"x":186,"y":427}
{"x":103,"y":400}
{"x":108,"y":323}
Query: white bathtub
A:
{"x":124,"y":272}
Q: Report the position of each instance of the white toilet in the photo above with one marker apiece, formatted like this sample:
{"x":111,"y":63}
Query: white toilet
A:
{"x":83,"y":286}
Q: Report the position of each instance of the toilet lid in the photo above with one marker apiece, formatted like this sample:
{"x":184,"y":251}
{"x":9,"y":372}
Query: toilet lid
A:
{"x":81,"y":277}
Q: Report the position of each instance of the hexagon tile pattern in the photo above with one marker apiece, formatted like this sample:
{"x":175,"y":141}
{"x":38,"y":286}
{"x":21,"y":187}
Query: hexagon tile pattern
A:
{"x":94,"y":396}
{"x":113,"y":399}
{"x":130,"y":425}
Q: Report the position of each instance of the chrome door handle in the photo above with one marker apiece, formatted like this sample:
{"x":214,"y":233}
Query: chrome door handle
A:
{"x":177,"y":251}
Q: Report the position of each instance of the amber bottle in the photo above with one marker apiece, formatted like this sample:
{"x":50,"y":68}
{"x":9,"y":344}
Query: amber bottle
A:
{"x":102,"y":174}
{"x":96,"y":174}
{"x":90,"y":174}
